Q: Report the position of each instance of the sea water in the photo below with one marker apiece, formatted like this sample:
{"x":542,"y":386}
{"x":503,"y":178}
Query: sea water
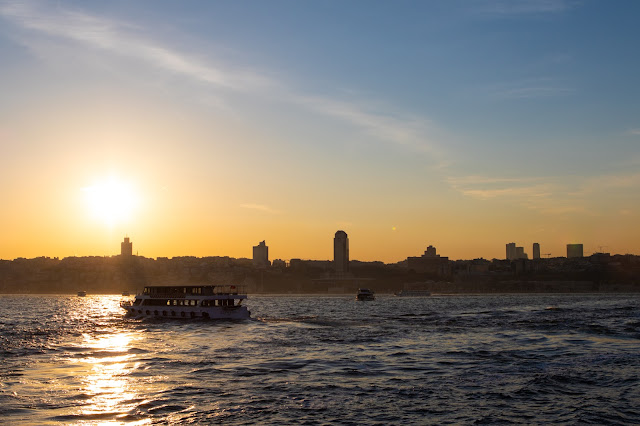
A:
{"x":529,"y":359}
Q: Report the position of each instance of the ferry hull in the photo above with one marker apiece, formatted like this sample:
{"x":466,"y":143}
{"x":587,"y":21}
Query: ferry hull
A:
{"x":177,"y":312}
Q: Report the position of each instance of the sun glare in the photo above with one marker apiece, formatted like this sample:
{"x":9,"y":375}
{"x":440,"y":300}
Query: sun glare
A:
{"x":111,"y":201}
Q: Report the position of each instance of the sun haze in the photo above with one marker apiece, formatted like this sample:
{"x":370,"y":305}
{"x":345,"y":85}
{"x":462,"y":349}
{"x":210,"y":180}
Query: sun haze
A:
{"x":111,"y":201}
{"x":466,"y":125}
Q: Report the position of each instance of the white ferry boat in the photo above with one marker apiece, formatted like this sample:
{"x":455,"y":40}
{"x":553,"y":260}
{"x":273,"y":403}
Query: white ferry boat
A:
{"x":204,"y":301}
{"x":365,"y":294}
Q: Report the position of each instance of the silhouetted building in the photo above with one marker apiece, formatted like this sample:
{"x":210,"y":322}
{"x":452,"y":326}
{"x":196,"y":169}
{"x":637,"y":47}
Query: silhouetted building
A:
{"x":574,"y":250}
{"x":536,"y":251}
{"x":430,"y":252}
{"x":261,"y":255}
{"x":514,"y":252}
{"x":430,"y":263}
{"x":126,"y":247}
{"x":279,"y":263}
{"x":341,"y":252}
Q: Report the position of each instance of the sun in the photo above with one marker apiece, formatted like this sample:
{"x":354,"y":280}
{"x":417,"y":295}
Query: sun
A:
{"x":111,"y":201}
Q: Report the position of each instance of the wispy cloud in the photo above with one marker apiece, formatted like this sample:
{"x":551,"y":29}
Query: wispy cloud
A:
{"x":548,"y":195}
{"x":529,"y":89}
{"x":400,"y":129}
{"x":259,"y":207}
{"x":510,"y":8}
{"x":124,"y":39}
{"x":634,"y":132}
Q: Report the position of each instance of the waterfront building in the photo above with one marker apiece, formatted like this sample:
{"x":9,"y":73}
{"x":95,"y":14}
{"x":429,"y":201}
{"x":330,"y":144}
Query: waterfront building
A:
{"x":536,"y":251}
{"x":430,"y":263}
{"x":511,"y":251}
{"x":126,"y":247}
{"x":261,"y":255}
{"x":574,"y":250}
{"x":341,"y":252}
{"x":520,"y":254}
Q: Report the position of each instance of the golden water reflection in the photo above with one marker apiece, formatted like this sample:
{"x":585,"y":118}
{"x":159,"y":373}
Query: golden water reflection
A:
{"x":112,"y":396}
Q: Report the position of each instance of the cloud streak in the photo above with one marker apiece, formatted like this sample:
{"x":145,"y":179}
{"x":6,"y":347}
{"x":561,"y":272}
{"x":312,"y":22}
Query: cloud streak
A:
{"x":123,"y":39}
{"x":529,"y":89}
{"x":551,"y":195}
{"x":127,"y":40}
{"x":259,"y":207}
{"x":513,"y":8}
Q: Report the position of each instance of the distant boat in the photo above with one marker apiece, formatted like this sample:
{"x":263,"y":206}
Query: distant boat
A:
{"x":82,"y":293}
{"x":126,"y":293}
{"x":413,"y":293}
{"x":365,"y":294}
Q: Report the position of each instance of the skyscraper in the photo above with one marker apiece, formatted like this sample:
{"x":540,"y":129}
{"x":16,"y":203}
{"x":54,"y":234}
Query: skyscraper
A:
{"x":536,"y":251}
{"x":261,"y":255}
{"x":341,"y":252}
{"x":126,"y":247}
{"x":574,"y":250}
{"x":511,"y":251}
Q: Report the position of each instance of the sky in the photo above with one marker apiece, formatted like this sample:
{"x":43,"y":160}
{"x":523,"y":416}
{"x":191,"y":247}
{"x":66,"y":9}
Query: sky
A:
{"x":200,"y":128}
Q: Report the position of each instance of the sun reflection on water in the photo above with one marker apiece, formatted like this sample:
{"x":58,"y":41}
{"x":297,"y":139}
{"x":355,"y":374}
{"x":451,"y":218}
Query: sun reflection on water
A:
{"x":111,"y":396}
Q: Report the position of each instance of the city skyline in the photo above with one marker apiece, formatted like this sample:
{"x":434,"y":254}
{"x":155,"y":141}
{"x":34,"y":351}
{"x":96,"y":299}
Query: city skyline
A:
{"x":200,"y":128}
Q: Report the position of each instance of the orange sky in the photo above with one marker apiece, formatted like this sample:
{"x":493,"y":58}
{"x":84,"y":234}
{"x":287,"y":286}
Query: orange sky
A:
{"x":218,"y":134}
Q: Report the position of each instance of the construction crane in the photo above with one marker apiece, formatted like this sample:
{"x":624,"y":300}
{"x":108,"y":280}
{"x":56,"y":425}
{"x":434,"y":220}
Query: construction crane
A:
{"x":547,"y":254}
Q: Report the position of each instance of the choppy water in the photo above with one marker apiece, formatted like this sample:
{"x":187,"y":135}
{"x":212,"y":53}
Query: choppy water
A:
{"x":325,"y":360}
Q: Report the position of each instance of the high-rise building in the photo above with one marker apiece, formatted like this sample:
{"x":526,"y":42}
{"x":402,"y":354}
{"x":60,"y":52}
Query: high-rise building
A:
{"x":536,"y":251}
{"x":520,"y":254}
{"x":574,"y":250}
{"x":341,"y":252}
{"x":126,"y":247}
{"x":261,"y":255}
{"x":511,"y":251}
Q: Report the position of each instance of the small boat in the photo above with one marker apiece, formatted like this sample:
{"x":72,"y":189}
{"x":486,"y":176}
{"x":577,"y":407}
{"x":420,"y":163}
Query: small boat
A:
{"x":126,"y":293}
{"x":413,"y":293}
{"x":82,"y":293}
{"x":204,"y":301}
{"x":365,"y":294}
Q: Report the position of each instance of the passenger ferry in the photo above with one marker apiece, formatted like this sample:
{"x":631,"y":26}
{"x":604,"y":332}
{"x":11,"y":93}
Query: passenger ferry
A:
{"x":205,"y":301}
{"x":365,"y":294}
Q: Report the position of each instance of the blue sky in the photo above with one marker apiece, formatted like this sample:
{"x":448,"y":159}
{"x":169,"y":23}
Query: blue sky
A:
{"x":376,"y":115}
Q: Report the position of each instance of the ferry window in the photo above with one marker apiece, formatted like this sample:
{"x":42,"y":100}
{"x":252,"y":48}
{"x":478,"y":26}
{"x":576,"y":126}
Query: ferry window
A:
{"x":168,"y":302}
{"x":175,"y":302}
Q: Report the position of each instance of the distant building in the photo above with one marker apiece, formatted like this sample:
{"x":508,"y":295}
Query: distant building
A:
{"x":279,"y":264}
{"x":574,"y":250}
{"x":341,"y":252}
{"x":126,"y":247}
{"x":536,"y":251}
{"x":430,"y":252}
{"x":514,"y":252}
{"x":261,"y":255}
{"x":430,"y":263}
